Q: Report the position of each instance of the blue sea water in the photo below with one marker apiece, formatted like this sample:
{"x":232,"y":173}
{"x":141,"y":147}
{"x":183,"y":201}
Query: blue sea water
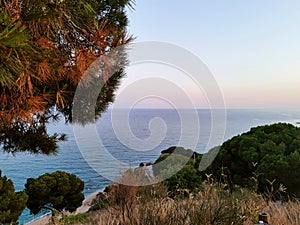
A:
{"x":127,"y":145}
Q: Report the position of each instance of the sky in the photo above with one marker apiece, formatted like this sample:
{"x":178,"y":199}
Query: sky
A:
{"x":251,"y":48}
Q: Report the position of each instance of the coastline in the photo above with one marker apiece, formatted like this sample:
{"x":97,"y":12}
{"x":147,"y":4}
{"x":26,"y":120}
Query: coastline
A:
{"x":87,"y":202}
{"x":85,"y":206}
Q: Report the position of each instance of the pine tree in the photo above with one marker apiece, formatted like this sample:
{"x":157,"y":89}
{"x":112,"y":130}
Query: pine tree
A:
{"x":11,"y":203}
{"x":58,"y":190}
{"x":45,"y":48}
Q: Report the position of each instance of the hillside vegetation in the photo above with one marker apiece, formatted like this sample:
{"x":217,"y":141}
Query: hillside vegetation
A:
{"x":250,"y":174}
{"x":263,"y":157}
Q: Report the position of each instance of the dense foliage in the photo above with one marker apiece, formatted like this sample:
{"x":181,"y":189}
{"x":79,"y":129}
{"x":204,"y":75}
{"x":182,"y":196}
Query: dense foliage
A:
{"x":208,"y":200}
{"x":11,"y":203}
{"x":31,"y":137}
{"x":58,"y":190}
{"x":179,"y":168}
{"x":45,"y":49}
{"x":262,"y":158}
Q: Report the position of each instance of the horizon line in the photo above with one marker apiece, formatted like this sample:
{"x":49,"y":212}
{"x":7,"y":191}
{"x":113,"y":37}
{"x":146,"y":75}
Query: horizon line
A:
{"x":206,"y":108}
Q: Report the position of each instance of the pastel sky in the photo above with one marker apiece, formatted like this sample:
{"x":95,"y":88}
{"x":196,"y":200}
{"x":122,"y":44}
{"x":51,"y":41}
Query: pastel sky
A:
{"x":251,"y":47}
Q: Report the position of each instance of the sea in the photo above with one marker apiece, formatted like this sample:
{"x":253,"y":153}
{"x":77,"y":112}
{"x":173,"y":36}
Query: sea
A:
{"x":129,"y":137}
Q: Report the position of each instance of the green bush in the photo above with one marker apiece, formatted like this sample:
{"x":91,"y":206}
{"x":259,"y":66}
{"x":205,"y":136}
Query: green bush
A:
{"x":179,"y":168}
{"x":11,"y":203}
{"x":81,"y":218}
{"x":59,"y":190}
{"x":268,"y":155}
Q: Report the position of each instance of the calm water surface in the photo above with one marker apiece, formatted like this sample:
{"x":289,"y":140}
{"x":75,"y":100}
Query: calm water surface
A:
{"x":23,"y":165}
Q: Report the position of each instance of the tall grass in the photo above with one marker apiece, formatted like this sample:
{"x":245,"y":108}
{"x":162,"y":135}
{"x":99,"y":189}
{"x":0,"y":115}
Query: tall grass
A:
{"x":209,"y":206}
{"x":212,"y":205}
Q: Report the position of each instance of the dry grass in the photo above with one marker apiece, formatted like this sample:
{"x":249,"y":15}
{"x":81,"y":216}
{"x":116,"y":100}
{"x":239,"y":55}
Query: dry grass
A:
{"x":287,"y":213}
{"x":210,"y":206}
{"x":150,"y":205}
{"x":207,"y":207}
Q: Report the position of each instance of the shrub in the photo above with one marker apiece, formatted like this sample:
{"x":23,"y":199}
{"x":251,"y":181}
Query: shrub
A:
{"x":12,"y":203}
{"x":270,"y":153}
{"x":81,"y":218}
{"x":59,"y":190}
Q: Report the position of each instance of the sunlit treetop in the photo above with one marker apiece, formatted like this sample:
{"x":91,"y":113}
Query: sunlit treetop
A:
{"x":45,"y":48}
